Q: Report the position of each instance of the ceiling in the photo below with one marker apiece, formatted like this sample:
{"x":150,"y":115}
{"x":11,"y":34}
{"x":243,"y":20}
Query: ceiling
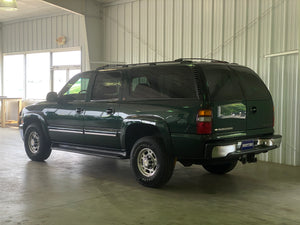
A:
{"x":34,"y":8}
{"x":28,"y":9}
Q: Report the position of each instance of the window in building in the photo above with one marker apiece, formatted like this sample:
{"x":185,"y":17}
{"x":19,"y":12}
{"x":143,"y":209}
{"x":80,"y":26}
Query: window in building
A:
{"x":13,"y":69}
{"x":35,"y":78}
{"x":59,"y":79}
{"x":65,"y":66}
{"x":38,"y":75}
{"x":61,"y":76}
{"x":76,"y":88}
{"x":66,"y":58}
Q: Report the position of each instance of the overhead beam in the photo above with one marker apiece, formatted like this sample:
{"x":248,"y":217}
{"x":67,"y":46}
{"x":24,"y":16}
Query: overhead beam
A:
{"x":75,"y":6}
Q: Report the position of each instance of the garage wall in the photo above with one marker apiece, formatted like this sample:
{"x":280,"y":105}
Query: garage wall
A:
{"x":242,"y":31}
{"x":41,"y":33}
{"x":1,"y":68}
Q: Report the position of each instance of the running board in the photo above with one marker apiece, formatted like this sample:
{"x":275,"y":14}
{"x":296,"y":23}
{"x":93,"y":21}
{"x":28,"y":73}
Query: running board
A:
{"x":108,"y":153}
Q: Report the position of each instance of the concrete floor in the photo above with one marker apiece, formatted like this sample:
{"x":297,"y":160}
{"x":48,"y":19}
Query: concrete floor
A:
{"x":77,"y":189}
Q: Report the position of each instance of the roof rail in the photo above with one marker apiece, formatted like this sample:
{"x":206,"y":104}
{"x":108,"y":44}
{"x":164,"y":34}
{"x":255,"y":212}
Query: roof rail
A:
{"x":111,"y":66}
{"x":180,"y":60}
{"x":199,"y":59}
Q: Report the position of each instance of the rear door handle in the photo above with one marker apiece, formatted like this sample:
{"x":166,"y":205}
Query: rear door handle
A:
{"x":109,"y":111}
{"x":253,"y":109}
{"x":79,"y":110}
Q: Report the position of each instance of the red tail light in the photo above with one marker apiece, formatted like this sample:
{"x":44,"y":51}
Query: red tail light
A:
{"x":204,"y":121}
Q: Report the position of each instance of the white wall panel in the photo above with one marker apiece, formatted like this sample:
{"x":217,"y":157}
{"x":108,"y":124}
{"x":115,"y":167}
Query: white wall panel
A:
{"x":177,"y":29}
{"x":136,"y":32}
{"x":242,"y":31}
{"x":207,"y":29}
{"x":121,"y":34}
{"x":252,"y":32}
{"x":169,"y":29}
{"x":229,"y":30}
{"x":160,"y":30}
{"x":107,"y":36}
{"x":1,"y":56}
{"x":114,"y":33}
{"x":187,"y":31}
{"x":151,"y":24}
{"x":41,"y":33}
{"x":197,"y":33}
{"x":218,"y":29}
{"x":128,"y":33}
{"x":144,"y":35}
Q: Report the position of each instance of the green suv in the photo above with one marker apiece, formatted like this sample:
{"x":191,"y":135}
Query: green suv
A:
{"x":205,"y":112}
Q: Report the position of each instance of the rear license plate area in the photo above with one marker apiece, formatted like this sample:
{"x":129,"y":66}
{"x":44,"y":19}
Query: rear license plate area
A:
{"x":249,"y":144}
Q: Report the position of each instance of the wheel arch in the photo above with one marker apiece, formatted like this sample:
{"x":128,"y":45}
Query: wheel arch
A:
{"x":38,"y":119}
{"x":134,"y":129}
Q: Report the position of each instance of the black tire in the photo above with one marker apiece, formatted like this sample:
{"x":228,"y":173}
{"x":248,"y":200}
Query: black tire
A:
{"x":150,"y":163}
{"x":220,"y":168}
{"x":37,"y":146}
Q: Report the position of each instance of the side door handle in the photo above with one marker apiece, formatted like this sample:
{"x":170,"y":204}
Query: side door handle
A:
{"x":253,"y":109}
{"x":109,"y":111}
{"x":79,"y":110}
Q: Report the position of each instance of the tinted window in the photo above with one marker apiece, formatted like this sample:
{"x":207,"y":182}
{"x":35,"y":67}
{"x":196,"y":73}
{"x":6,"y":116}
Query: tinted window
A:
{"x":222,"y":84}
{"x":253,"y":87}
{"x":76,"y":88}
{"x":107,"y":86}
{"x":162,"y":82}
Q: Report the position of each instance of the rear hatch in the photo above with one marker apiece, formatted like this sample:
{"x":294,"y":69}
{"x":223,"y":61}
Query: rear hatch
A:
{"x":241,"y":103}
{"x":259,"y":101}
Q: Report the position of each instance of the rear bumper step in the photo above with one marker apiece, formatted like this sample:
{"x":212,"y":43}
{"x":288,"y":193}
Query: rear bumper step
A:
{"x":232,"y":150}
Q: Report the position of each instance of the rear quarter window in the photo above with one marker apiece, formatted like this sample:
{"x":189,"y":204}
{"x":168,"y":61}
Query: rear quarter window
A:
{"x":161,"y":82}
{"x":222,"y":84}
{"x":253,"y":87}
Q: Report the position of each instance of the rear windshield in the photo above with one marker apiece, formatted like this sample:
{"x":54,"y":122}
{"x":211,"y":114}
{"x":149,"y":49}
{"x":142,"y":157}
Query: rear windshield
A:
{"x":254,"y":88}
{"x":161,"y":82}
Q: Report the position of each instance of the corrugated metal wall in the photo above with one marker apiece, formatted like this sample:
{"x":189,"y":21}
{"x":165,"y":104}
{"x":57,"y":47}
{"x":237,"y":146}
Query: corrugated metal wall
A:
{"x":41,"y":33}
{"x":241,"y":31}
{"x":1,"y":56}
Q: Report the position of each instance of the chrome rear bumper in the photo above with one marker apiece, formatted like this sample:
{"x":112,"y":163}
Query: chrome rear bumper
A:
{"x":229,"y":150}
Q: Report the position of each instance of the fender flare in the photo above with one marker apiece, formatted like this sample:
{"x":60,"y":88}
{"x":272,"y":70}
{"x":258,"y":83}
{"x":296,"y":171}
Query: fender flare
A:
{"x":150,"y":121}
{"x":37,"y":118}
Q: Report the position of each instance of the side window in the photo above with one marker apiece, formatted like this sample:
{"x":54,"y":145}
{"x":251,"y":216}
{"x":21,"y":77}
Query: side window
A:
{"x":254,"y":88}
{"x":141,"y":88}
{"x":162,"y":82}
{"x":222,"y":85}
{"x":79,"y":87}
{"x":107,"y":86}
{"x":75,"y":89}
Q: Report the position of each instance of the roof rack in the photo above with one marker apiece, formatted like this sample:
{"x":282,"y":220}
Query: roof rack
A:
{"x":112,"y":66}
{"x":199,"y":59}
{"x":180,"y":60}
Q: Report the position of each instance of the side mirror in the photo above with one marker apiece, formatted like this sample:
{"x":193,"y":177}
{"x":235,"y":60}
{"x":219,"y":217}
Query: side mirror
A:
{"x":52,"y":97}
